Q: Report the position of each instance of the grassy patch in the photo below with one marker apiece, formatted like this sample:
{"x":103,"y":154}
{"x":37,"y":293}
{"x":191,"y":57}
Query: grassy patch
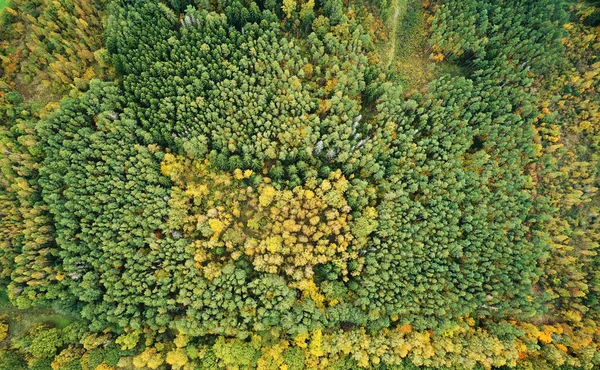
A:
{"x":2,"y":4}
{"x":411,"y":32}
{"x":411,"y":54}
{"x":395,"y":13}
{"x":406,"y":53}
{"x":452,"y":69}
{"x":20,"y":321}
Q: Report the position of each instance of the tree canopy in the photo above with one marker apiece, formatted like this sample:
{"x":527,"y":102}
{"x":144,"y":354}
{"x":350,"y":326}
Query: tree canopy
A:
{"x":252,"y":184}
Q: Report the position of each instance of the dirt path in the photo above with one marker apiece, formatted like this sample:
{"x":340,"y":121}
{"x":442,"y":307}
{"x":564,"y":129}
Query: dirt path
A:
{"x":399,"y":6}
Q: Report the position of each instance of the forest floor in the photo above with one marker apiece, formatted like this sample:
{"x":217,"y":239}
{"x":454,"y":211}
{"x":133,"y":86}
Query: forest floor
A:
{"x":389,"y":52}
{"x":407,"y":51}
{"x":21,"y":320}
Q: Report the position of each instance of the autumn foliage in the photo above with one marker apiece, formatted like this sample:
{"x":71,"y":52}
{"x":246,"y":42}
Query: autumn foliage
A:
{"x":190,"y":184}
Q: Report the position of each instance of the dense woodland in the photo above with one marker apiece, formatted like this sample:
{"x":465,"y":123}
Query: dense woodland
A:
{"x":299,"y":184}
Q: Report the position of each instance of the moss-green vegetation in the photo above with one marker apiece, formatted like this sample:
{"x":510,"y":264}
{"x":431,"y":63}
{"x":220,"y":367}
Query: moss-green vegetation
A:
{"x":411,"y":55}
{"x":20,"y":321}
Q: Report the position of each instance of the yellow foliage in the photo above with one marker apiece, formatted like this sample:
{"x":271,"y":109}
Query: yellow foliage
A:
{"x":94,"y":340}
{"x":272,"y":358}
{"x":197,"y":191}
{"x":212,"y":270}
{"x":362,"y":359}
{"x":402,"y":350}
{"x":316,"y":346}
{"x":155,"y":361}
{"x":545,"y":337}
{"x":309,"y":289}
{"x":288,"y":7}
{"x":562,"y":347}
{"x":3,"y":331}
{"x":104,"y":366}
{"x":216,"y":225}
{"x":181,"y":340}
{"x":128,"y":341}
{"x":177,"y":358}
{"x":370,"y":212}
{"x":307,"y":7}
{"x":273,"y":244}
{"x":238,"y":174}
{"x":282,"y":231}
{"x":171,"y":167}
{"x":67,"y":355}
{"x":266,"y":196}
{"x":149,"y":358}
{"x":573,"y":316}
{"x":300,"y":340}
{"x":330,"y":85}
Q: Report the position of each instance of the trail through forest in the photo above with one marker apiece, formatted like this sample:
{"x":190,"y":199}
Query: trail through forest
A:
{"x":398,"y":6}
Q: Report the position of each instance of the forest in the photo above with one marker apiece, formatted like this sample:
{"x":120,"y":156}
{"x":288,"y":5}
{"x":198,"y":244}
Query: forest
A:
{"x":299,"y":184}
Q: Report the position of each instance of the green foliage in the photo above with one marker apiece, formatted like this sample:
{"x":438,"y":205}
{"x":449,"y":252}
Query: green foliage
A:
{"x":56,"y":46}
{"x":522,"y":34}
{"x":235,"y":354}
{"x":253,"y":191}
{"x":256,"y":95}
{"x":11,"y":361}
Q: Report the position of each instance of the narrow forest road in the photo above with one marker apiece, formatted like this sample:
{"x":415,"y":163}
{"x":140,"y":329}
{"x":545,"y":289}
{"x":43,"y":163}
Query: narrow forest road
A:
{"x":398,"y":6}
